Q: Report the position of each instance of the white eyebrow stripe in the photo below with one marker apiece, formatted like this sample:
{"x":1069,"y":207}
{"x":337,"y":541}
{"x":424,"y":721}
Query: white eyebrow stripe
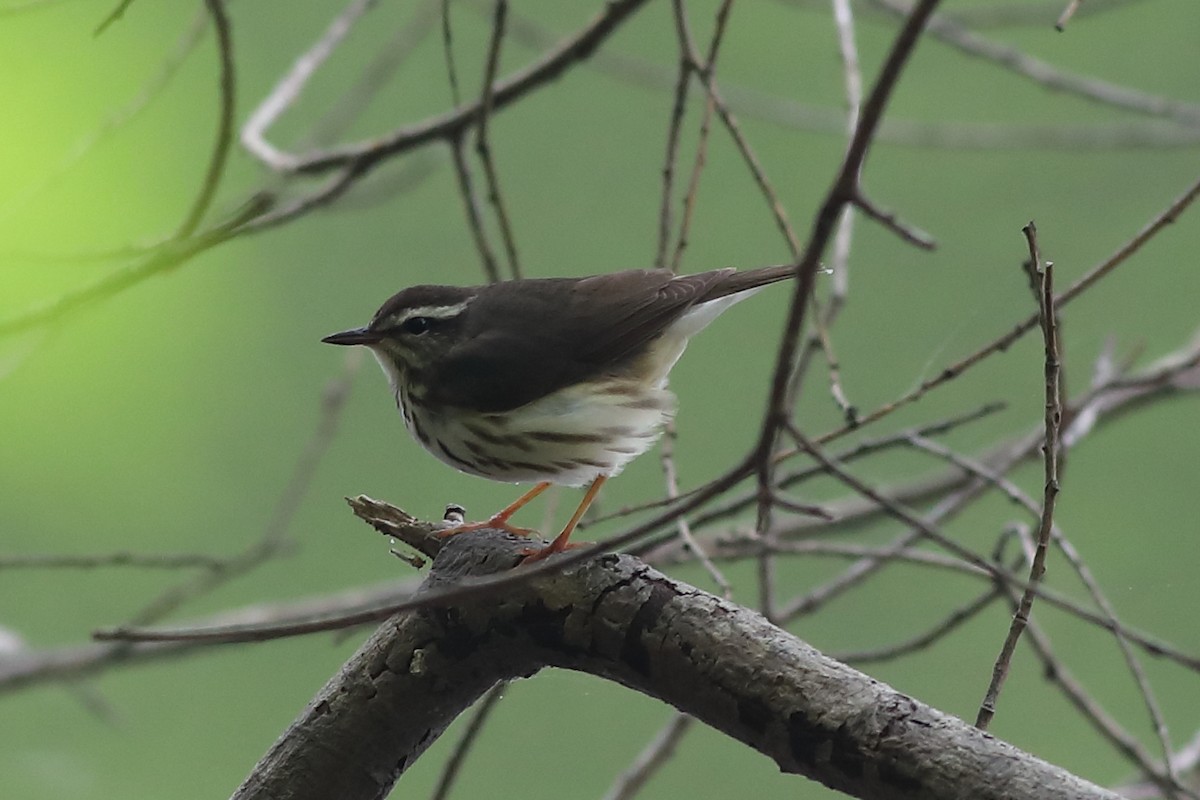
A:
{"x":433,"y":312}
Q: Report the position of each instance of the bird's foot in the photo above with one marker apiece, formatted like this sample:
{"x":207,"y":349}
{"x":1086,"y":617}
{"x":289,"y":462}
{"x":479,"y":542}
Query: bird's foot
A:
{"x":560,"y":542}
{"x":531,"y":554}
{"x":498,"y":522}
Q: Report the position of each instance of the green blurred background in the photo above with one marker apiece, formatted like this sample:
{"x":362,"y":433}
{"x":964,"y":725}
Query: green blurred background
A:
{"x":170,"y":417}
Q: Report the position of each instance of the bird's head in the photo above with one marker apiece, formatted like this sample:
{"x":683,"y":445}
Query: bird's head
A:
{"x":412,"y":330}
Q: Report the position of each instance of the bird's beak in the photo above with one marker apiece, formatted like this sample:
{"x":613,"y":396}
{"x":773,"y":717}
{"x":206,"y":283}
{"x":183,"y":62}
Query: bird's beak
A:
{"x":354,"y":336}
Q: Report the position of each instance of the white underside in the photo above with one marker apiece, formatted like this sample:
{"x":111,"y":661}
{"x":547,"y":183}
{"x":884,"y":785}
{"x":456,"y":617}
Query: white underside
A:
{"x":522,"y":448}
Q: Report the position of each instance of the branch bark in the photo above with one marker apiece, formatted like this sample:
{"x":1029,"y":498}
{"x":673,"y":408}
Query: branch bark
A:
{"x":617,"y":618}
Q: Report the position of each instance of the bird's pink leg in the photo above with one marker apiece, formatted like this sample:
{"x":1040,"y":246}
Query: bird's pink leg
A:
{"x":560,"y":542}
{"x":500,"y":519}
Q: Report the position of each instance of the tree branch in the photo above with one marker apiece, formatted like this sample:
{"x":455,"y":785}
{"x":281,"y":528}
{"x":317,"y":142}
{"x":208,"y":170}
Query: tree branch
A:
{"x":617,"y":618}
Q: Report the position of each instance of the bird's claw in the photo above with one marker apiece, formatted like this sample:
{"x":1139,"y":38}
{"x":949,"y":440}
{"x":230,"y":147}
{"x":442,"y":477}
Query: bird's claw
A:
{"x":495,"y":523}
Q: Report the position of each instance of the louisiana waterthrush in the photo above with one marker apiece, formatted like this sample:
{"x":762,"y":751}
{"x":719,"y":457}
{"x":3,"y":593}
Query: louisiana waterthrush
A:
{"x":551,"y":381}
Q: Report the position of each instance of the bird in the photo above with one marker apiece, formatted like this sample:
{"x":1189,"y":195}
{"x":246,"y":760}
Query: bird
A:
{"x":550,"y":381}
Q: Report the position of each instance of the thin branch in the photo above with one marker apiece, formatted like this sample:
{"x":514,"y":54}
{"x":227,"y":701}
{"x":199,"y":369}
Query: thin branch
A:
{"x":1065,"y":17}
{"x":778,"y":213}
{"x":343,"y":112}
{"x":331,"y":189}
{"x":698,"y":66}
{"x":551,"y":65}
{"x":889,"y":220}
{"x":483,"y":146}
{"x":75,"y":662}
{"x":940,"y":136}
{"x":1165,"y":218}
{"x":104,"y":560}
{"x":273,"y":539}
{"x":705,"y":70}
{"x":843,"y":17}
{"x":1045,"y":74}
{"x":474,"y":211}
{"x":224,"y":138}
{"x":674,"y":129}
{"x":448,"y":51}
{"x":840,"y":193}
{"x":940,"y":630}
{"x":1050,"y":446}
{"x":152,"y":89}
{"x":289,"y":87}
{"x":848,"y":455}
{"x":652,"y":758}
{"x":852,"y":82}
{"x":113,"y":16}
{"x":409,"y":527}
{"x":833,"y":366}
{"x":1091,"y":710}
{"x":685,"y":530}
{"x":465,"y":742}
{"x":169,"y":256}
{"x":1006,"y":15}
{"x":1107,"y":617}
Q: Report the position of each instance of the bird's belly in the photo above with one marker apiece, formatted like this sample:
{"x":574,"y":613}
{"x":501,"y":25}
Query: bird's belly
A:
{"x":567,"y":438}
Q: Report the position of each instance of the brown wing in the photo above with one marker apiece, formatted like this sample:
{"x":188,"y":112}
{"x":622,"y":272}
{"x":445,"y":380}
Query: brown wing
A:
{"x":527,"y":339}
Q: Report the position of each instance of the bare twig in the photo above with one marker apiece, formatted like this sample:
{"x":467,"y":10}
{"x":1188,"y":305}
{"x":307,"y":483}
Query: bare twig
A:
{"x":168,"y":256}
{"x":1107,"y":616}
{"x":474,"y":211}
{"x":73,"y":662}
{"x":705,"y":70}
{"x":889,"y":220}
{"x":483,"y":147}
{"x":465,"y":742}
{"x":848,"y":455}
{"x":840,"y":193}
{"x":843,"y":17}
{"x":778,"y":213}
{"x":448,"y":51}
{"x":446,"y":126}
{"x":674,"y":128}
{"x":1045,"y":74}
{"x":1006,"y":15}
{"x":474,"y":588}
{"x":288,"y":89}
{"x":273,"y":539}
{"x":1091,"y":710}
{"x":184,"y":46}
{"x":224,"y":138}
{"x":1050,"y":447}
{"x":1066,"y":15}
{"x":113,"y":16}
{"x":655,"y":754}
{"x":1001,"y":343}
{"x":685,"y":530}
{"x":940,"y":135}
{"x":839,"y":268}
{"x":927,"y":638}
{"x":390,"y":55}
{"x":122,"y":559}
{"x":700,"y":66}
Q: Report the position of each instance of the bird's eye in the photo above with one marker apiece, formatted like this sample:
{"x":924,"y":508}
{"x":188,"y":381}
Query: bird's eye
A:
{"x":415,"y":325}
